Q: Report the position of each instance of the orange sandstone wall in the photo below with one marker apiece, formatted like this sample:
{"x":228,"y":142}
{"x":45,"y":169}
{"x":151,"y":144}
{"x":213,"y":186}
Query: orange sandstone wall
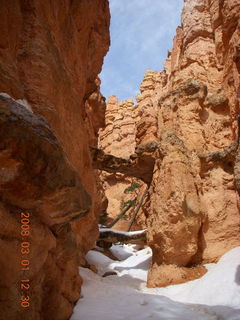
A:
{"x":194,"y":209}
{"x":51,"y":53}
{"x":190,"y":110}
{"x":118,"y":138}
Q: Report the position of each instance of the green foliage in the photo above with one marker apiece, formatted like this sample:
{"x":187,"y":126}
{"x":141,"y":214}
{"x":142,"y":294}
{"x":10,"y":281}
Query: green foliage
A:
{"x":132,"y":187}
{"x":124,"y":204}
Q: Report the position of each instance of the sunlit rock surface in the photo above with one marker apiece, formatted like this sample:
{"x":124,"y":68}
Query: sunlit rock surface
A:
{"x":189,"y":110}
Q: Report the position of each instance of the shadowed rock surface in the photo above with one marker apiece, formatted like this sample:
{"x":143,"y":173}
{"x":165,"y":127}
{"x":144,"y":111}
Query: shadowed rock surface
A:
{"x":37,"y":178}
{"x":139,"y":165}
{"x":51,"y":53}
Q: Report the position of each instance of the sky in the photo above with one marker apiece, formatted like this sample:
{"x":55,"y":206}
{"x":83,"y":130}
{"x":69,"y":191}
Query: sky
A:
{"x":141,"y":35}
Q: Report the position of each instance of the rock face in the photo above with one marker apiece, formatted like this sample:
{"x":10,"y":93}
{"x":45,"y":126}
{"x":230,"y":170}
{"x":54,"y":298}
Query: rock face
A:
{"x":140,"y":164}
{"x":50,"y":56}
{"x":194,"y":216}
{"x":118,"y":138}
{"x":189,"y":111}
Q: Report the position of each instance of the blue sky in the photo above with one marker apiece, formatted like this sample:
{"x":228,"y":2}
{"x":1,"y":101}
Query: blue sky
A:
{"x":141,"y":35}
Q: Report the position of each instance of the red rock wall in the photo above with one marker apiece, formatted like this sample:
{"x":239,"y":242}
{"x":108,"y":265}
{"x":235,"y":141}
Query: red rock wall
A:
{"x":190,"y":110}
{"x":50,"y":55}
{"x":119,"y":139}
{"x":194,"y":211}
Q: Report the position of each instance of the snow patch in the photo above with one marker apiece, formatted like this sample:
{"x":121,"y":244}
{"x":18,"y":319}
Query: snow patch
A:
{"x":124,"y":296}
{"x":219,"y":286}
{"x":124,"y":251}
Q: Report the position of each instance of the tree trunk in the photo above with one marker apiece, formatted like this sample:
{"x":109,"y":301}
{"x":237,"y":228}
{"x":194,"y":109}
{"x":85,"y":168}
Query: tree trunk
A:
{"x":116,"y":236}
{"x":137,"y":209}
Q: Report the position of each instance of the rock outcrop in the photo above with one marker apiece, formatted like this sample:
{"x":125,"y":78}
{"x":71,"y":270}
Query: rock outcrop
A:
{"x":118,"y":136}
{"x":194,"y":216}
{"x":189,"y":111}
{"x":50,"y":56}
{"x":140,"y":165}
{"x":117,"y":157}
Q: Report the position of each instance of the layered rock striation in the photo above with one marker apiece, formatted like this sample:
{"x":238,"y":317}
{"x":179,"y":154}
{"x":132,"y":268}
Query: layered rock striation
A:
{"x":50,"y":56}
{"x":190,"y":112}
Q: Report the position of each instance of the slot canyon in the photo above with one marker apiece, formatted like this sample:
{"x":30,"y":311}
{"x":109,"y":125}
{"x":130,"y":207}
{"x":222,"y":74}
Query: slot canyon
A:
{"x":70,"y":158}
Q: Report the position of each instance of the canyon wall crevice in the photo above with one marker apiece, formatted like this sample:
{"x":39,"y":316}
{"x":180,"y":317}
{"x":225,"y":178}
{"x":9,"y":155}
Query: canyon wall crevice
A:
{"x":180,"y":138}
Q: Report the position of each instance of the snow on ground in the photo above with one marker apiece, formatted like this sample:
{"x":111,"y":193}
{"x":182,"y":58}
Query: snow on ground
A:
{"x":216,"y":296}
{"x":219,"y":286}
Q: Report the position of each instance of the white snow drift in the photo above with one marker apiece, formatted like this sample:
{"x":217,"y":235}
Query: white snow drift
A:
{"x":216,"y":296}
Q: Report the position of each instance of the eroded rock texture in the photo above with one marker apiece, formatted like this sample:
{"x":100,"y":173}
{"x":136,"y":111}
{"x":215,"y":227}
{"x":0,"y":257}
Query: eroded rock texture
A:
{"x":194,"y":216}
{"x":117,"y":157}
{"x":190,"y":111}
{"x":50,"y":55}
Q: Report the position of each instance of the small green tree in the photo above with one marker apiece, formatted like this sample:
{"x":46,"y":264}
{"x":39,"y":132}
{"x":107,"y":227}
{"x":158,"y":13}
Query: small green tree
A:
{"x":132,"y":187}
{"x":124,"y":204}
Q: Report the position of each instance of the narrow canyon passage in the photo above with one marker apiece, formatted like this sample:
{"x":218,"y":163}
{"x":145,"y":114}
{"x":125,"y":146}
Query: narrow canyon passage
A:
{"x":148,"y":146}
